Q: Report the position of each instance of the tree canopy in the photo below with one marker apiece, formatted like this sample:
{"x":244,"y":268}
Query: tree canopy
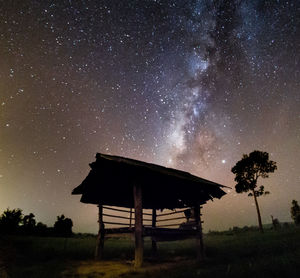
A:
{"x":249,"y":169}
{"x":10,"y":220}
{"x":63,"y":226}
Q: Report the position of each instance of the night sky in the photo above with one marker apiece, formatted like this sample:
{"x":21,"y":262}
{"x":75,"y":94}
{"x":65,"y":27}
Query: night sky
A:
{"x":185,"y":84}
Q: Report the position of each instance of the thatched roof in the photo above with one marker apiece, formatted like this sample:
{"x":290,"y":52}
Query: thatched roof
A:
{"x":111,"y":180}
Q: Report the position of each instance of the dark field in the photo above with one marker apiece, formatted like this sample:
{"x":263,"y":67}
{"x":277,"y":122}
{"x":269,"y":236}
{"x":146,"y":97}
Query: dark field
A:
{"x":242,"y":254}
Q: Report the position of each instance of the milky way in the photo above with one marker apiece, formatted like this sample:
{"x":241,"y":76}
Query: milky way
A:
{"x":186,"y":84}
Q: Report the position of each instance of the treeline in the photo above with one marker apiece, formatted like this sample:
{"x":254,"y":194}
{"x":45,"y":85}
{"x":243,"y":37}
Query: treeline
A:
{"x":14,"y":222}
{"x":275,"y":225}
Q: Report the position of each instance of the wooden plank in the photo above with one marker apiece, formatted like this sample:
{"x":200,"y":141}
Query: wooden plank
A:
{"x":124,"y":210}
{"x":170,"y":213}
{"x":110,"y":208}
{"x":169,"y":219}
{"x":116,"y":223}
{"x":169,"y":225}
{"x":199,"y":236}
{"x":115,"y":216}
{"x":154,"y":244}
{"x":166,"y":231}
{"x":120,"y":230}
{"x":101,"y":235}
{"x":138,"y":231}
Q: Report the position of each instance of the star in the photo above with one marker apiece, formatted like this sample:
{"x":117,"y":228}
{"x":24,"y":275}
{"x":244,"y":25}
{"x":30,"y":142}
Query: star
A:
{"x":191,"y":85}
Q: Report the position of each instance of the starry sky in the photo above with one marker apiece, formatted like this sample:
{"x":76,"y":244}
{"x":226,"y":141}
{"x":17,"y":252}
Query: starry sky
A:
{"x":185,"y":84}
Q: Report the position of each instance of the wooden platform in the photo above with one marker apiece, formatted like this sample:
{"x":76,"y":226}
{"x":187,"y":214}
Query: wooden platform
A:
{"x":158,"y":234}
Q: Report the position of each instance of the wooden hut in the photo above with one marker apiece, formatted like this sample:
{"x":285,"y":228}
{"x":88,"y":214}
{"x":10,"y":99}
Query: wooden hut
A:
{"x":121,"y":182}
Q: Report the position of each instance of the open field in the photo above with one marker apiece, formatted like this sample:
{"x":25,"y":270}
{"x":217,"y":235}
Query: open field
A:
{"x":243,"y":254}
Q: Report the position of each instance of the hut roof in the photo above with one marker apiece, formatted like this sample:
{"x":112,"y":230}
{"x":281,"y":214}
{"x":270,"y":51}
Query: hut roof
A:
{"x":111,"y":181}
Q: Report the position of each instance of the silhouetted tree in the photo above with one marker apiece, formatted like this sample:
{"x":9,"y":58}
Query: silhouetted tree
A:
{"x":248,"y":170}
{"x":28,"y":223}
{"x":63,"y":226}
{"x":275,"y":223}
{"x":295,"y":212}
{"x":41,"y":229}
{"x":10,"y":220}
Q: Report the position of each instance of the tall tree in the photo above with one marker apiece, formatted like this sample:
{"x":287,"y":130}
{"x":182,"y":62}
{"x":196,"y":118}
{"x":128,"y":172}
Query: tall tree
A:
{"x":295,"y":212}
{"x":248,"y":170}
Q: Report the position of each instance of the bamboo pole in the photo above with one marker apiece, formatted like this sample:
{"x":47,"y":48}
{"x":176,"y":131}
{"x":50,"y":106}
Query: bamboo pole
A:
{"x":101,"y":234}
{"x":154,"y":244}
{"x":138,"y":229}
{"x":199,"y":237}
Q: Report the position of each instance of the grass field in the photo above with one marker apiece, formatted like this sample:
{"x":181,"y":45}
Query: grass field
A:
{"x":243,"y":254}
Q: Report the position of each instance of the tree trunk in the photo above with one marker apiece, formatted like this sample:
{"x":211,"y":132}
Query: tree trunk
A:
{"x":258,"y":213}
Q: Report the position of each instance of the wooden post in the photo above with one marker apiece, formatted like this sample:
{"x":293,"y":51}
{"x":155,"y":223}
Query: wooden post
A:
{"x":199,"y":237}
{"x":154,"y":244}
{"x":138,"y":229}
{"x":101,"y":234}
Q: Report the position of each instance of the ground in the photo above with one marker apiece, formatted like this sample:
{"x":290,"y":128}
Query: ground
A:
{"x":228,"y":254}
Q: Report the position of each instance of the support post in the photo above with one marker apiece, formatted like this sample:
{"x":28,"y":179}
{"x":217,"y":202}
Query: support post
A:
{"x":154,"y":244}
{"x":138,"y":229}
{"x":101,"y":235}
{"x":199,"y":237}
